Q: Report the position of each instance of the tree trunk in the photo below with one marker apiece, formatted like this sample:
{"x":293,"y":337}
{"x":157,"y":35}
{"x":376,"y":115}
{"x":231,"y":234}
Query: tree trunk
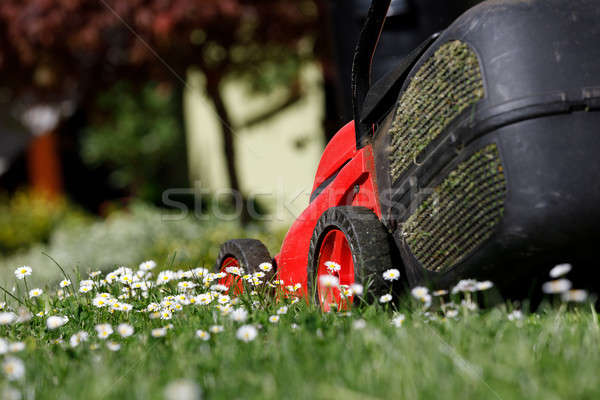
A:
{"x":214,"y":91}
{"x":45,"y":175}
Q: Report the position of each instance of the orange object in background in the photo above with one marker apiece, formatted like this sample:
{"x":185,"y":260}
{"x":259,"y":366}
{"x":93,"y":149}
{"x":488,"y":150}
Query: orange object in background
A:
{"x":43,"y":164}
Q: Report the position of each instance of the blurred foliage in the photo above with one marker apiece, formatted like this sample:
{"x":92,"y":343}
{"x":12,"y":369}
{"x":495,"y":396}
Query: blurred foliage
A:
{"x":138,"y":135}
{"x":131,"y":236}
{"x":27,"y":218}
{"x":65,"y":54}
{"x":56,"y":50}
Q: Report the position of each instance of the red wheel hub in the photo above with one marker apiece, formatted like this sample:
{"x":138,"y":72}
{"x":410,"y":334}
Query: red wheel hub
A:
{"x":335,"y":248}
{"x":231,"y":281}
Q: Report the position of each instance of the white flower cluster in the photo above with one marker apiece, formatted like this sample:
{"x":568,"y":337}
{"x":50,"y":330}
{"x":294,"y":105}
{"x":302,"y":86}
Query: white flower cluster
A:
{"x":119,"y":290}
{"x":563,"y":286}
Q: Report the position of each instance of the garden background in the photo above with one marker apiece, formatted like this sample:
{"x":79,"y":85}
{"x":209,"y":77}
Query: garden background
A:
{"x":125,"y":125}
{"x":117,"y":114}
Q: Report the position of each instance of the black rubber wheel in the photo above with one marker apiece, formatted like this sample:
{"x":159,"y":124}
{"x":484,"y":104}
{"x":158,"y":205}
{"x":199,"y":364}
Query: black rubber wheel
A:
{"x":249,"y":254}
{"x":370,"y":244}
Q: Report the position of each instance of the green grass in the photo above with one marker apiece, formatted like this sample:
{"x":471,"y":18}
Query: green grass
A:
{"x":552,"y":354}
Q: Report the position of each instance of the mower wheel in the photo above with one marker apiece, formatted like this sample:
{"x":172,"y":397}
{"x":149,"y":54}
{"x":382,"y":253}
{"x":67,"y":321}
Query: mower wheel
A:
{"x":247,"y":254}
{"x":361,"y":249}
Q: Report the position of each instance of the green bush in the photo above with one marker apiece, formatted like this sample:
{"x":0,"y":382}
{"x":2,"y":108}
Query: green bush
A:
{"x":27,"y":218}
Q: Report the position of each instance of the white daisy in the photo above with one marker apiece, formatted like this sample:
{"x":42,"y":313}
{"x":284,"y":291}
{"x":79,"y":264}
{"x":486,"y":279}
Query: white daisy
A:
{"x":186,"y":285}
{"x":225,"y":309}
{"x":246,"y":333}
{"x":398,"y":320}
{"x":159,"y":332}
{"x":165,"y":277}
{"x":204,"y":299}
{"x":104,"y":330}
{"x":125,"y":330}
{"x":485,"y":285}
{"x":24,"y":315}
{"x":391,"y":274}
{"x":332,"y":266}
{"x":345,"y":291}
{"x":15,"y":347}
{"x":85,"y":289}
{"x":216,"y":329}
{"x":7,"y":318}
{"x":282,"y":310}
{"x":219,"y":288}
{"x":113,"y":346}
{"x":13,"y":368}
{"x":575,"y":295}
{"x":56,"y":321}
{"x":78,"y":338}
{"x":147,"y":265}
{"x":265,"y":267}
{"x":203,"y":335}
{"x":22,"y":272}
{"x":99,"y":302}
{"x":112,"y":276}
{"x":557,"y":286}
{"x":234,"y":270}
{"x":65,"y":283}
{"x":126,"y":279}
{"x":465,"y":285}
{"x":86,"y":282}
{"x":166,"y":314}
{"x":515,"y":315}
{"x":419,"y":292}
{"x":255,"y":281}
{"x":386,"y":298}
{"x":239,"y":315}
{"x":329,"y":281}
{"x":274,"y":319}
{"x":359,"y":324}
{"x":560,"y":270}
{"x":35,"y":292}
{"x":182,"y":389}
{"x":357,"y":289}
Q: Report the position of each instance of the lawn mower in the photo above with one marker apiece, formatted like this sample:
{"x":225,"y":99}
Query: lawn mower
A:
{"x":478,"y":156}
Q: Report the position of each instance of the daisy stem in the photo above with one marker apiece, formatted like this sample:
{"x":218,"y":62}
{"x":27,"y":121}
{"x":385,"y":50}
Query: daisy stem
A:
{"x":14,"y":297}
{"x":172,"y":260}
{"x":26,"y":293}
{"x":67,"y":277}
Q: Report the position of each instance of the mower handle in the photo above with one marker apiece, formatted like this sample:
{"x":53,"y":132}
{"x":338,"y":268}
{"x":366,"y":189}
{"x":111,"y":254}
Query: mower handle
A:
{"x":361,"y":64}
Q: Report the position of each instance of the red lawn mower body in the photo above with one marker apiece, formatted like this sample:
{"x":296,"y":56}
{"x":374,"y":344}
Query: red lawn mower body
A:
{"x":345,"y":177}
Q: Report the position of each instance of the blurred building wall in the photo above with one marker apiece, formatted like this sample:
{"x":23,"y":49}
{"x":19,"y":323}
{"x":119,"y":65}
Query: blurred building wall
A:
{"x":276,"y":159}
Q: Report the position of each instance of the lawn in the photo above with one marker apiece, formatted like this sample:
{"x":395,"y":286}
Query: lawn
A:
{"x":183,"y":338}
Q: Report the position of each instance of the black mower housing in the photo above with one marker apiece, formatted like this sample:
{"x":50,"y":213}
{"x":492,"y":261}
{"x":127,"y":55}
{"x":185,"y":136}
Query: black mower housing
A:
{"x":537,"y":122}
